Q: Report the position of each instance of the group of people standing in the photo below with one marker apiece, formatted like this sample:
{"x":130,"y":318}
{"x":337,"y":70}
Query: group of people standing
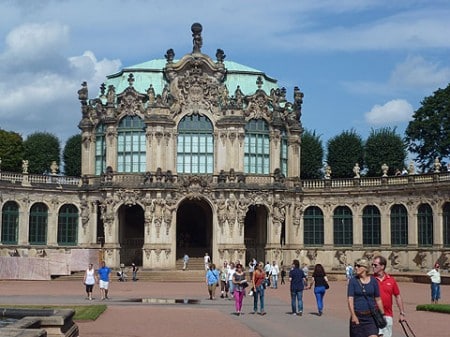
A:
{"x":234,"y":283}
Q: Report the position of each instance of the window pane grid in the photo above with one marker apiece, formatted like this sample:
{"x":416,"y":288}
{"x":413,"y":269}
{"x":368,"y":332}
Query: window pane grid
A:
{"x":446,"y":224}
{"x":100,"y":150}
{"x":425,"y":225}
{"x":399,"y":226}
{"x":67,"y":225}
{"x":10,"y":223}
{"x":195,"y":150}
{"x":38,"y":224}
{"x":313,"y":231}
{"x":371,"y":226}
{"x":131,"y":145}
{"x":343,"y":226}
{"x":257,"y":147}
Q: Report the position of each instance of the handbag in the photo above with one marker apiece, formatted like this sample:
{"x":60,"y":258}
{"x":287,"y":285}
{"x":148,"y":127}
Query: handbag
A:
{"x":379,"y":319}
{"x":327,"y":286}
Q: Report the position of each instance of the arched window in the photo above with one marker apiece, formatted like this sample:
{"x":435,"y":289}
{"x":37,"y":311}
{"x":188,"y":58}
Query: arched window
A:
{"x":343,"y":226}
{"x":446,"y":223}
{"x":131,"y":145}
{"x":38,"y":224}
{"x":425,"y":225}
{"x":100,"y":149}
{"x":284,"y":153}
{"x":257,"y":147}
{"x":371,"y":224}
{"x":313,"y":234}
{"x":10,"y":223}
{"x":399,"y":225}
{"x":195,"y":152}
{"x":67,"y":225}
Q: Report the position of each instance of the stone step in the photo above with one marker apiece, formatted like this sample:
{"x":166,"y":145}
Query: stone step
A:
{"x":149,"y":275}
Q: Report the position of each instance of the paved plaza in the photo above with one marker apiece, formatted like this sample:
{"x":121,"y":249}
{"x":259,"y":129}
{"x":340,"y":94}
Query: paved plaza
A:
{"x":126,"y":316}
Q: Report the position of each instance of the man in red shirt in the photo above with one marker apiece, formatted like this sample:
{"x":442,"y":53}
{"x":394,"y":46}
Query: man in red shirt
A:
{"x":388,"y":288}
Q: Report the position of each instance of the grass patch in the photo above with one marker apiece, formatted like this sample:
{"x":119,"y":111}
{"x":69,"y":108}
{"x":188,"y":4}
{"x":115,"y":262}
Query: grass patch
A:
{"x":442,"y":308}
{"x":82,"y":312}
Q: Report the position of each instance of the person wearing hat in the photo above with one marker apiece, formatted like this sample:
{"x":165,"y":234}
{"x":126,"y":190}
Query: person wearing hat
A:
{"x":435,"y":276}
{"x":363,"y":294}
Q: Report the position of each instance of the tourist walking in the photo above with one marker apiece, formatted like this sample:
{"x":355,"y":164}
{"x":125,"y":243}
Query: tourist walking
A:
{"x":363,"y":296}
{"x":283,"y":274}
{"x":134,"y":270}
{"x":212,"y":280}
{"x":89,"y":280}
{"x":388,"y":288}
{"x":185,"y":261}
{"x":231,"y":271}
{"x":298,"y":283}
{"x":207,"y":261}
{"x":103,"y":275}
{"x":240,"y":283}
{"x":224,"y":280}
{"x":320,"y":282}
{"x":274,"y":271}
{"x":259,"y":285}
{"x":348,"y":272}
{"x":435,"y":277}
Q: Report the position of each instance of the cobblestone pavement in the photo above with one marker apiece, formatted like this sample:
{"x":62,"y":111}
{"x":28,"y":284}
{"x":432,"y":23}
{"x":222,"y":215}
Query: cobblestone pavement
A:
{"x":126,"y":316}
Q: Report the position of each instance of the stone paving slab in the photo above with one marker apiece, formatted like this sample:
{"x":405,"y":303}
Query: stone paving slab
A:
{"x":126,"y":317}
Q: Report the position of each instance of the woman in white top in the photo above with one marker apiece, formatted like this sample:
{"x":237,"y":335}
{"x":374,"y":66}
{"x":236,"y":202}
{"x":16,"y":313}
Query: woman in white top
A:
{"x":89,"y":280}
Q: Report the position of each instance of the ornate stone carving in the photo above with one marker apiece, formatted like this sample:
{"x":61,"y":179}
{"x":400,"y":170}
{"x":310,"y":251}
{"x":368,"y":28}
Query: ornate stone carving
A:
{"x":128,"y":197}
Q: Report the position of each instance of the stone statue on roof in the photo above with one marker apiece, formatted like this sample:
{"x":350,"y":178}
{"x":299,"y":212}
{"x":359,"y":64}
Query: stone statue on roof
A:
{"x":197,"y":40}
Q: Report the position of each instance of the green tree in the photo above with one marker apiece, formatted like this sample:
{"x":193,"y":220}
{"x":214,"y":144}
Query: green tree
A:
{"x":311,"y":156}
{"x":343,"y":152}
{"x":384,"y":146}
{"x":72,"y":156}
{"x":41,"y":149}
{"x":11,"y":151}
{"x":428,"y":134}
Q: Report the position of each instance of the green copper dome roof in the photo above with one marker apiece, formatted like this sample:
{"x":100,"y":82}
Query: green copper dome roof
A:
{"x":151,"y":72}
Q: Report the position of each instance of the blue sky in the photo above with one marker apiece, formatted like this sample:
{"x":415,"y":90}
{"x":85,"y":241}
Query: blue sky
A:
{"x":361,"y":64}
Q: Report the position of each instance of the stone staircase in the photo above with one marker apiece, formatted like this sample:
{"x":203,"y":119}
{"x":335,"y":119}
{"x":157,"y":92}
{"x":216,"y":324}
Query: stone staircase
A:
{"x":194,"y":273}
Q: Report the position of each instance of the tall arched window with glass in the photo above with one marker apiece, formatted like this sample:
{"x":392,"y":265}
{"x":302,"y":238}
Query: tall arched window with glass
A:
{"x":67,"y":225}
{"x":10,"y":223}
{"x":131,"y":148}
{"x":371,"y":226}
{"x":425,"y":225}
{"x":313,"y":223}
{"x":38,"y":224}
{"x":399,"y":225}
{"x":284,"y":153}
{"x":343,"y":226}
{"x":195,"y":149}
{"x":257,"y":147}
{"x":446,"y":223}
{"x":100,"y":149}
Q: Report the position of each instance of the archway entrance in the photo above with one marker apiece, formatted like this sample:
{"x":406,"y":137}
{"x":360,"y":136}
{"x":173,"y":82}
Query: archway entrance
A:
{"x":255,"y":233}
{"x":131,"y":234}
{"x":194,"y":229}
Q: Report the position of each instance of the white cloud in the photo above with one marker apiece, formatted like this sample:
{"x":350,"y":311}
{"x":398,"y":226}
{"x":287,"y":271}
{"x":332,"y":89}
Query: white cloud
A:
{"x":397,"y":110}
{"x":416,"y":72}
{"x":39,"y":83}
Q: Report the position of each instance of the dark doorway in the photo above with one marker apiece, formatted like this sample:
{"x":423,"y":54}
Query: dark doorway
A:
{"x":194,"y":229}
{"x":255,"y":232}
{"x":131,"y":234}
